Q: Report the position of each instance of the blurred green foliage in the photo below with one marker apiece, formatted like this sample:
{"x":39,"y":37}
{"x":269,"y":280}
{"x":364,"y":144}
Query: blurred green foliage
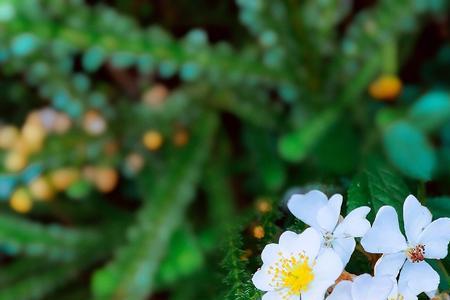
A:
{"x":168,"y":133}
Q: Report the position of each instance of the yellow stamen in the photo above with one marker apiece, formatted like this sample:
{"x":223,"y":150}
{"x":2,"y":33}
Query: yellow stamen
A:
{"x":398,"y":297}
{"x":291,"y":275}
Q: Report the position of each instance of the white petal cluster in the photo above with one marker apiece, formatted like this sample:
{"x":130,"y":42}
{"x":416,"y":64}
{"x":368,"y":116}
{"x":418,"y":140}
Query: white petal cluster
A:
{"x":296,"y":266}
{"x":424,"y":240}
{"x":324,"y":215}
{"x":363,"y":287}
{"x":304,"y":266}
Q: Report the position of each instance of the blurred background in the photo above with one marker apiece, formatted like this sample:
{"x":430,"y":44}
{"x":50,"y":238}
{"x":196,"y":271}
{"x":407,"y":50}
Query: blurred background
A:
{"x":147,"y":148}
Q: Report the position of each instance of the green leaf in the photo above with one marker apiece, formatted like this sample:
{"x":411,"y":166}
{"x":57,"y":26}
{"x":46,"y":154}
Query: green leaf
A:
{"x":296,"y":145}
{"x":439,"y":206}
{"x":72,"y":292}
{"x":153,"y":42}
{"x":409,"y":150}
{"x":431,"y":111}
{"x":375,"y":187}
{"x":219,"y":194}
{"x":264,"y":156}
{"x":38,"y":285}
{"x":358,"y":264}
{"x":19,"y":236}
{"x":439,"y":267}
{"x":80,"y":189}
{"x":387,"y":116}
{"x":20,"y":268}
{"x":183,"y":258}
{"x":132,"y":272}
{"x":253,"y":106}
{"x":338,"y":152}
{"x":41,"y":277}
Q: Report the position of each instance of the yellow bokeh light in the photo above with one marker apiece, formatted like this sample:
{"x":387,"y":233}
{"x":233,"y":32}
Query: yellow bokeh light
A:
{"x":41,"y":189}
{"x":21,"y":201}
{"x":152,"y":140}
{"x":15,"y":161}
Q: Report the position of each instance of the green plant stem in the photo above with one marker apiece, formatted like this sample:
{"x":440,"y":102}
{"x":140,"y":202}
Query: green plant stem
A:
{"x":390,"y":62}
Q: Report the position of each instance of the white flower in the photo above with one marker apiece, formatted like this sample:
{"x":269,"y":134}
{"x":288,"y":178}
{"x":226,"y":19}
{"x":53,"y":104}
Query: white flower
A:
{"x":363,"y":287}
{"x":294,"y":267}
{"x":322,"y":214}
{"x":403,"y":292}
{"x":426,"y":239}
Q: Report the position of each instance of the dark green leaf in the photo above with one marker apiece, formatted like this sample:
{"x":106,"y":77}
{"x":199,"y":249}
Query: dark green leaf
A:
{"x":184,"y":257}
{"x":296,"y":145}
{"x":338,"y":151}
{"x":376,"y":186}
{"x":431,"y":111}
{"x":409,"y":150}
{"x":439,"y":206}
{"x":18,"y":236}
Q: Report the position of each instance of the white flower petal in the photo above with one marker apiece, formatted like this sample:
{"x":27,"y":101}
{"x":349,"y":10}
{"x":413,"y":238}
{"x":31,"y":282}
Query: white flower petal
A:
{"x":273,"y":295}
{"x":287,"y":239}
{"x":436,"y":237}
{"x":419,"y":277}
{"x":416,"y":217}
{"x":406,"y":293}
{"x":431,"y":294}
{"x":390,"y":264}
{"x":317,"y":290}
{"x":385,"y":235}
{"x":342,"y":291}
{"x":270,"y":253}
{"x":262,"y":280}
{"x":403,"y":292}
{"x":328,"y":266}
{"x":309,"y":242}
{"x":328,"y":216}
{"x":380,"y":289}
{"x":279,"y":295}
{"x":305,"y":207}
{"x":394,"y":291}
{"x":344,"y":247}
{"x":291,"y":244}
{"x":371,"y":288}
{"x":361,"y":290}
{"x":355,"y":223}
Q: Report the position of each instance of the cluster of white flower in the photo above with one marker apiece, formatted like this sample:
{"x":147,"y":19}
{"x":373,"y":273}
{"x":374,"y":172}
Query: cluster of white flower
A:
{"x":306,"y":265}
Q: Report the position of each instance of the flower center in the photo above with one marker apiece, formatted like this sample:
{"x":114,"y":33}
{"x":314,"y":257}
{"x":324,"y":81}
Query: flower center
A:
{"x":292,"y":275}
{"x":328,"y":239}
{"x":416,"y":254}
